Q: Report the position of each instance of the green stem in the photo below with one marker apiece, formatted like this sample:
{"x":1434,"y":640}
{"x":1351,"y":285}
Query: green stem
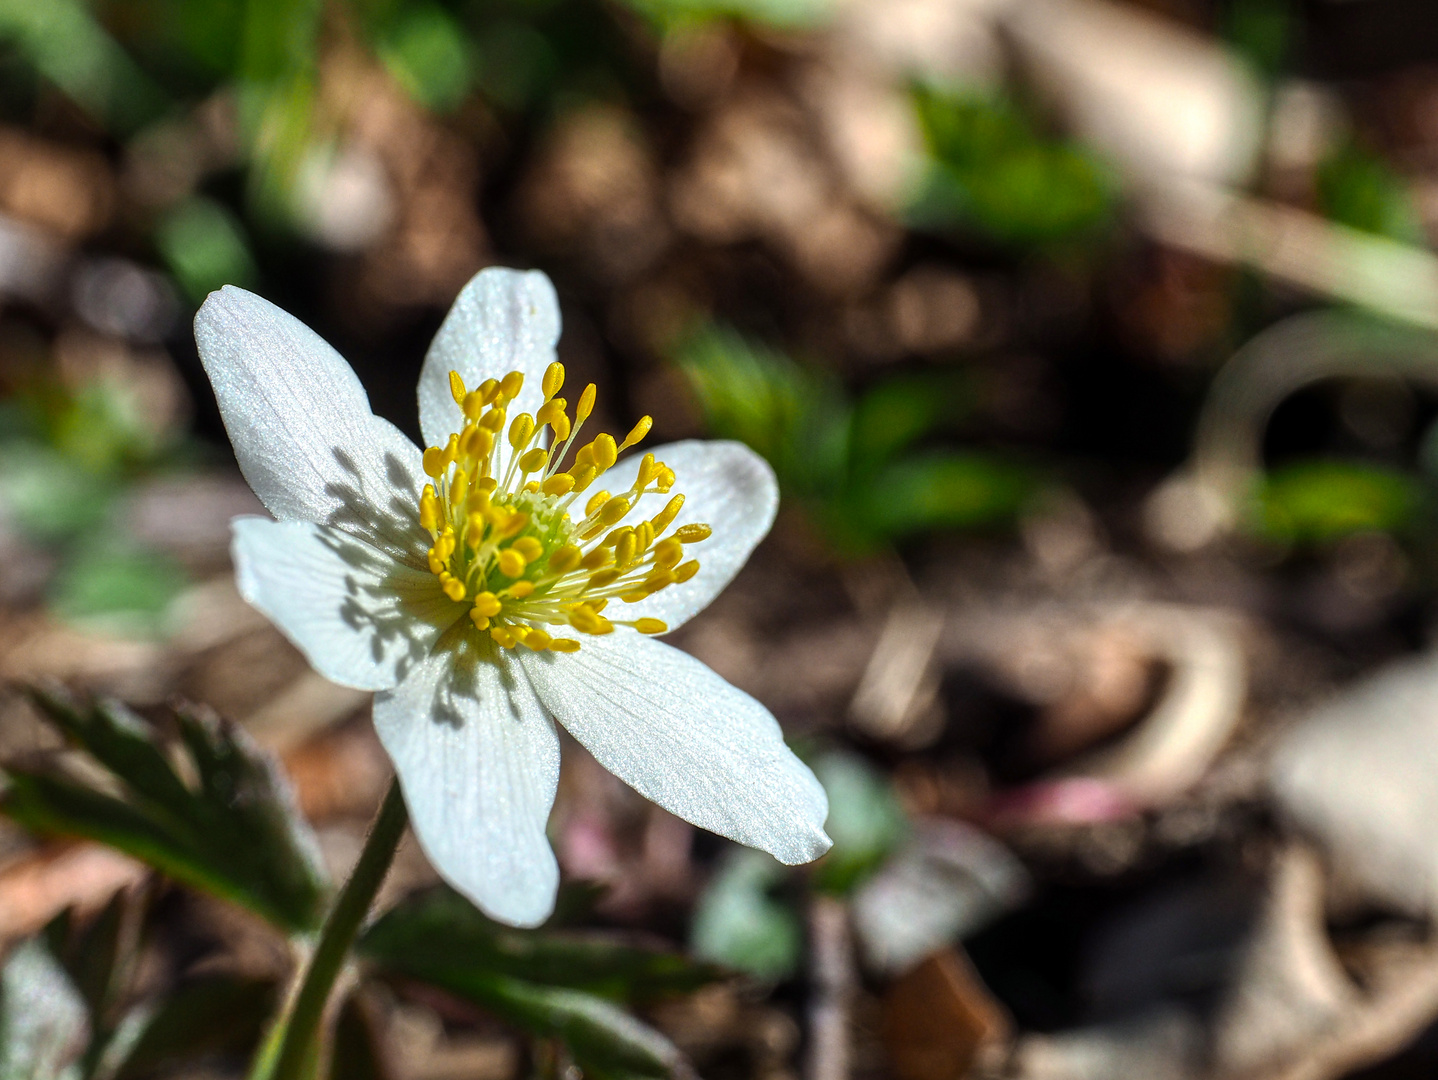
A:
{"x":338,"y":933}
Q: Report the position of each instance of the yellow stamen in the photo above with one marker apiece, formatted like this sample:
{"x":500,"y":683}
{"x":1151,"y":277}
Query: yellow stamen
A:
{"x":553,"y":379}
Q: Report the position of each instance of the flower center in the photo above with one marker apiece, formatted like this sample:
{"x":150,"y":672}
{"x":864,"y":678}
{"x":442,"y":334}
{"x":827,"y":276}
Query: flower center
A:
{"x":507,"y":544}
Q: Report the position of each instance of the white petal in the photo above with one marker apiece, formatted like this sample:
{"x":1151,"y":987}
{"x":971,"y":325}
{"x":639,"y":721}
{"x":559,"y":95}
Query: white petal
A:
{"x":683,"y":737}
{"x":302,"y":429}
{"x":725,"y":485}
{"x":478,"y":760}
{"x":361,"y":618}
{"x":503,"y":321}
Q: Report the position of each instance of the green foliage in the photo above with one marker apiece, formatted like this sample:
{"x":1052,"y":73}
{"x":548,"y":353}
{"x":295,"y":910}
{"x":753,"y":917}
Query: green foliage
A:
{"x":1361,"y":190}
{"x":204,"y":246}
{"x":549,"y":983}
{"x":118,"y":587}
{"x":1314,"y":501}
{"x":425,"y":50}
{"x":992,"y":171}
{"x":853,"y":464}
{"x":865,"y":821}
{"x":233,"y":831}
{"x":739,"y":922}
{"x":786,"y":14}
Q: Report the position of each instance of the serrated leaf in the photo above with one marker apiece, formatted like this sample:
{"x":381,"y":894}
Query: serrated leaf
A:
{"x":44,"y":1026}
{"x":236,"y":833}
{"x":439,"y":936}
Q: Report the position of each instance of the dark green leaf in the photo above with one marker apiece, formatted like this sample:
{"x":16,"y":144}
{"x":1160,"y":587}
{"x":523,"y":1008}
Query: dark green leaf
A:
{"x":439,"y":936}
{"x":235,"y":834}
{"x":43,"y":1023}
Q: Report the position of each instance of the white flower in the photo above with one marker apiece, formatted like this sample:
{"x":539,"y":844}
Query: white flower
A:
{"x":468,"y":584}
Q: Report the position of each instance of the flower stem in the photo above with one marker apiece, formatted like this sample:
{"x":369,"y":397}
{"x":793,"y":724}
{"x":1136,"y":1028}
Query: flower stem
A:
{"x":343,"y":922}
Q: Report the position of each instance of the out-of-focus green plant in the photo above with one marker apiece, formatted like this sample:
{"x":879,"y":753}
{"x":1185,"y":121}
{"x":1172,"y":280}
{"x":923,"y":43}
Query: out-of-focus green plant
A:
{"x":1322,"y":500}
{"x":855,"y":464}
{"x":787,"y":14}
{"x":747,"y":918}
{"x":1360,"y":189}
{"x":67,"y":457}
{"x":993,"y":172}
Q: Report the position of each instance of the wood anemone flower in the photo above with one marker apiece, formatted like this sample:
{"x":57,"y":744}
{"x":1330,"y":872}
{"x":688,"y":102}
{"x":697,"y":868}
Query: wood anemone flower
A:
{"x":507,"y":577}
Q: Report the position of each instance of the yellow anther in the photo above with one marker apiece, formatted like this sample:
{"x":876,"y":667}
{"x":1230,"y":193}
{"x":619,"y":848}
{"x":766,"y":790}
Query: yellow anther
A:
{"x":531,"y":488}
{"x":561,"y":483}
{"x":668,"y":553}
{"x":520,"y":589}
{"x":659,"y":579}
{"x":634,"y":595}
{"x":515,"y":525}
{"x":614,"y":510}
{"x":605,"y":452}
{"x":429,"y":510}
{"x":626,"y":549}
{"x":665,"y":517}
{"x":647,"y":468}
{"x":684,"y":571}
{"x":598,"y":499}
{"x":616,"y":535}
{"x":564,"y":644}
{"x":433,"y":462}
{"x":504,"y":636}
{"x":650,"y":626}
{"x":586,"y":619}
{"x":598,"y":605}
{"x":637,"y":432}
{"x":550,"y":411}
{"x":510,"y":385}
{"x":486,"y":484}
{"x":585,"y":407}
{"x":472,"y":405}
{"x":454,"y":589}
{"x":692,"y":534}
{"x":529,"y":547}
{"x":458,"y":488}
{"x":553,"y":379}
{"x":583,"y":476}
{"x":537,"y":640}
{"x":602,"y":578}
{"x":493,"y":421}
{"x":584,"y":456}
{"x":560,"y":424}
{"x":436,"y":561}
{"x":596,"y":557}
{"x":474,"y":528}
{"x":451,"y":450}
{"x":477,"y":444}
{"x":487,"y":604}
{"x":565,"y":559}
{"x":644,"y":536}
{"x":665,"y":479}
{"x":456,"y":387}
{"x":512,"y":563}
{"x":521,"y":430}
{"x":481,"y":621}
{"x":487,"y":390}
{"x":534,"y":460}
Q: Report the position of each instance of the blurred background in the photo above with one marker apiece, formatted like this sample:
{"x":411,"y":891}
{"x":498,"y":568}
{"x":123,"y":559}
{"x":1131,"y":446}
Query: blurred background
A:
{"x":1095,"y":346}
